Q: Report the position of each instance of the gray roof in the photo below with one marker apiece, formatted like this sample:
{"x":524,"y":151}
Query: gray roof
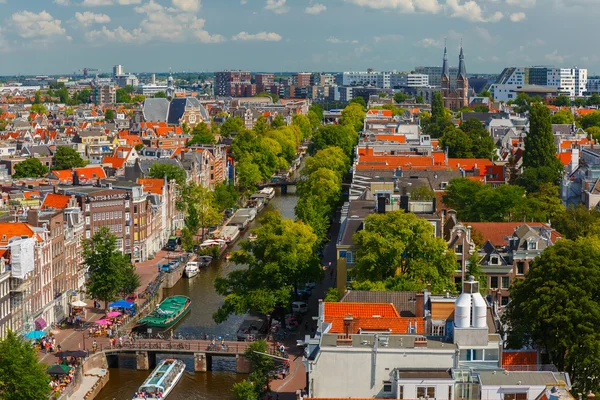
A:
{"x":156,"y":109}
{"x":146,"y":164}
{"x":536,"y":378}
{"x":403,"y":301}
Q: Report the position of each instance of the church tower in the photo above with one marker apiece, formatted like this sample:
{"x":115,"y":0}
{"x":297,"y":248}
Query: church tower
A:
{"x":170,"y":92}
{"x":462,"y":82}
{"x":445,"y":80}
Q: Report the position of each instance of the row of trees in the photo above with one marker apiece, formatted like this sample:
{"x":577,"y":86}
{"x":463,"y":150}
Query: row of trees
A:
{"x":64,"y":158}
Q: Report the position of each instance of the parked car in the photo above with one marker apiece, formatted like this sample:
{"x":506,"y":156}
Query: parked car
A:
{"x":131,"y":297}
{"x":299,"y":307}
{"x":310,"y":285}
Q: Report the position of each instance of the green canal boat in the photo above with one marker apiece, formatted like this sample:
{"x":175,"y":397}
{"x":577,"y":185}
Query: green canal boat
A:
{"x":167,"y":314}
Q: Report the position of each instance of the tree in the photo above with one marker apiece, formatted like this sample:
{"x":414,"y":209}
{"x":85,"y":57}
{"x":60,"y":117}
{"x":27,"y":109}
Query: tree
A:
{"x":107,"y":265}
{"x":131,"y":280}
{"x":360,"y":101}
{"x":315,"y":213}
{"x":540,"y":150}
{"x":257,"y":384}
{"x":563,"y":117}
{"x":160,"y":95}
{"x":456,"y":142}
{"x":278,"y":121}
{"x":422,"y":193}
{"x":123,"y":96}
{"x":593,"y":100}
{"x":400,"y":97}
{"x":318,"y":110}
{"x":484,"y":93}
{"x":109,"y":115}
{"x":323,"y":183}
{"x":273,"y":96}
{"x":84,"y":96}
{"x":419,"y":99}
{"x":353,"y":116}
{"x":169,"y":171}
{"x":261,"y":125}
{"x":342,"y":136}
{"x":562,"y":101}
{"x":482,"y":144}
{"x":481,"y":108}
{"x":199,"y":204}
{"x":557,"y":299}
{"x":474,"y":270}
{"x":436,"y":125}
{"x":313,"y":117}
{"x":226,"y":196}
{"x":542,"y":205}
{"x":22,"y":375}
{"x":333,"y":158}
{"x":245,"y":390}
{"x":138,"y":98}
{"x":129,"y":89}
{"x":232,"y":125}
{"x":532,"y":179}
{"x":282,"y":256}
{"x":580,"y":102}
{"x":593,"y":132}
{"x":332,"y":295}
{"x":577,"y":222}
{"x":589,"y":120}
{"x":39,"y":109}
{"x":248,"y":174}
{"x":399,"y":244}
{"x":67,"y":158}
{"x":201,"y":134}
{"x":303,"y":124}
{"x":139,"y":146}
{"x":30,"y":168}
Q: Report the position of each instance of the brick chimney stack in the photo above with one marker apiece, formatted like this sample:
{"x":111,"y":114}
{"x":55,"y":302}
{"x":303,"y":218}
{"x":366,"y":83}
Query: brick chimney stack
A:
{"x":420,"y":305}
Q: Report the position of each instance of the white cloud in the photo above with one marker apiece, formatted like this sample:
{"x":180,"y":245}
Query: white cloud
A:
{"x":334,"y":40}
{"x":29,"y":25}
{"x":429,"y":42}
{"x":100,"y":3}
{"x":484,"y":34}
{"x":470,"y":11}
{"x":555,"y":57}
{"x":89,"y":18}
{"x":518,"y":17}
{"x":316,"y":8}
{"x":243,"y":2}
{"x":187,"y":5}
{"x":62,"y":2}
{"x":277,"y":6}
{"x":428,"y":6}
{"x":262,"y":36}
{"x":160,"y":24}
{"x":521,"y":3}
{"x":96,"y":3}
{"x":387,"y":38}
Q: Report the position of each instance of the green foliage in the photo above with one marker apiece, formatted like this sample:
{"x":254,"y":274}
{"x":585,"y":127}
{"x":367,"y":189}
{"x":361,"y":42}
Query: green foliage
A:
{"x":577,"y":222}
{"x":257,"y":384}
{"x":261,"y":125}
{"x":304,"y":125}
{"x":200,"y":207}
{"x":313,"y":117}
{"x":22,"y":375}
{"x":562,"y":101}
{"x":419,"y":99}
{"x":457,"y":142}
{"x":139,"y":146}
{"x":436,"y":124}
{"x":226,"y":196}
{"x":590,"y":120}
{"x":39,"y":109}
{"x":248,"y":174}
{"x":188,"y":239}
{"x":131,"y":280}
{"x":382,"y":95}
{"x":170,"y":171}
{"x":359,"y":100}
{"x":282,"y":256}
{"x":201,"y":134}
{"x":232,"y":125}
{"x":123,"y":96}
{"x":108,"y":267}
{"x":470,"y":141}
{"x":37,"y":99}
{"x":542,"y":205}
{"x":67,"y":158}
{"x":273,"y":96}
{"x":333,"y":158}
{"x":484,"y":93}
{"x":83,"y":96}
{"x":422,"y":193}
{"x":398,"y":244}
{"x":481,"y":108}
{"x":245,"y":390}
{"x":318,"y":110}
{"x":594,"y":132}
{"x":563,"y":117}
{"x":342,"y":136}
{"x":109,"y":115}
{"x":160,"y":95}
{"x":353,"y":116}
{"x":30,"y":168}
{"x":474,"y":270}
{"x":400,"y":97}
{"x":332,"y":295}
{"x":559,"y":297}
{"x":129,"y":89}
{"x":278,"y":121}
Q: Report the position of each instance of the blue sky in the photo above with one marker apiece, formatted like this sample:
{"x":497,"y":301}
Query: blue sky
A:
{"x":62,"y":36}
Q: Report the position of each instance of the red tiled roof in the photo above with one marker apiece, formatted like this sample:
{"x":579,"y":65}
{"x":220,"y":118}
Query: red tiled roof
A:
{"x":11,"y":229}
{"x":94,"y":172}
{"x":56,"y":201}
{"x":383,"y":310}
{"x":63,"y":175}
{"x":32,"y":194}
{"x":519,"y":358}
{"x":152,"y":185}
{"x":565,"y":158}
{"x":370,"y":317}
{"x":115,"y":162}
{"x":495,"y":232}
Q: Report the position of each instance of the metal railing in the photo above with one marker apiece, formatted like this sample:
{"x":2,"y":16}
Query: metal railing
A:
{"x":176,"y":345}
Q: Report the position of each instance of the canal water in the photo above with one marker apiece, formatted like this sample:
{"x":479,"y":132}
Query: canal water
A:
{"x":216,"y":384}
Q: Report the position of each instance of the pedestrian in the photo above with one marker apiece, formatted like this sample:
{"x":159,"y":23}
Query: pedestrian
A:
{"x":94,"y":346}
{"x":171,"y":334}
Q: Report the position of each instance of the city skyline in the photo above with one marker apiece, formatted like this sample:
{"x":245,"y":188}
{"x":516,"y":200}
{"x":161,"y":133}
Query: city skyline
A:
{"x":63,"y":36}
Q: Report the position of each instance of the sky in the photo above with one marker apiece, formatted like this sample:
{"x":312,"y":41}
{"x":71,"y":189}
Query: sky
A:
{"x":64,"y":36}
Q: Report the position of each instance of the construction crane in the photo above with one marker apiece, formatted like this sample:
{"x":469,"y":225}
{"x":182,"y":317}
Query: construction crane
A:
{"x":86,"y":70}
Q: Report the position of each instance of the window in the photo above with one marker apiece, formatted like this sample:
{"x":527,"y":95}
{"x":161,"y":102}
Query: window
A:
{"x":494,"y":282}
{"x":426,"y":392}
{"x":459,"y":249}
{"x":387,"y":387}
{"x":504,"y":300}
{"x":494,"y":260}
{"x":505,"y":282}
{"x":87,"y":220}
{"x":349,"y":257}
{"x":532,"y":245}
{"x":520,"y":268}
{"x":400,"y":392}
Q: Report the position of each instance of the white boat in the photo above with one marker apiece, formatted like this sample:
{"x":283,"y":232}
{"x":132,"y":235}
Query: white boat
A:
{"x":229,"y":234}
{"x":203,"y":261}
{"x":269,"y":191}
{"x":162,"y":380}
{"x":191,"y":269}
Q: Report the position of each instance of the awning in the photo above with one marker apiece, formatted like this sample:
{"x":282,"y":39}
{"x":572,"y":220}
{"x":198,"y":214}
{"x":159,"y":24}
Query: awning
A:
{"x":121,"y":304}
{"x":79,"y":303}
{"x":40,"y":324}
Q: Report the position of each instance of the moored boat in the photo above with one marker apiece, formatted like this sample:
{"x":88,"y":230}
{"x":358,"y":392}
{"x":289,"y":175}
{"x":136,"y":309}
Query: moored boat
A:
{"x":191,"y":269}
{"x":269,"y":191}
{"x":204,"y":261}
{"x":162,"y":380}
{"x":170,"y":311}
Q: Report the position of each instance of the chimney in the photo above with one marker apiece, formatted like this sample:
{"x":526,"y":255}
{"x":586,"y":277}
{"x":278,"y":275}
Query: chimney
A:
{"x":348,"y":326}
{"x":420,"y":342}
{"x":591,"y":396}
{"x":420,"y":305}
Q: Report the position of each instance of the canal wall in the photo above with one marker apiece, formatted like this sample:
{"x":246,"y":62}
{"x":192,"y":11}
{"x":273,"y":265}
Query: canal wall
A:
{"x":94,"y":376}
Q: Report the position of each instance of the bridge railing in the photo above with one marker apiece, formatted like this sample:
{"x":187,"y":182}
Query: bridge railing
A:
{"x":177,"y":345}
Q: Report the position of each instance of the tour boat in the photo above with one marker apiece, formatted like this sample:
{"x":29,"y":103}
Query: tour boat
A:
{"x":162,"y":380}
{"x":204,"y":261}
{"x":170,"y":311}
{"x":191,"y":269}
{"x":269,"y":191}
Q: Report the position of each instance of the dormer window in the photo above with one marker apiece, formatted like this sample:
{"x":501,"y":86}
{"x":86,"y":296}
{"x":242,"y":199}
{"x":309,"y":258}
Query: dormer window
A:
{"x":532,"y":245}
{"x":494,"y":260}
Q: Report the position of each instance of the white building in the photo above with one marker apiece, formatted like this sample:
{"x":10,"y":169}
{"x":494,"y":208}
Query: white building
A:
{"x":409,"y":80}
{"x":568,"y":81}
{"x":118,"y":71}
{"x":369,"y":78}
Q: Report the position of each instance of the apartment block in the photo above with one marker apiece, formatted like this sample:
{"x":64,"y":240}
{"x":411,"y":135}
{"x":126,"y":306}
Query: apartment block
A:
{"x":264,"y":82}
{"x":232,"y":83}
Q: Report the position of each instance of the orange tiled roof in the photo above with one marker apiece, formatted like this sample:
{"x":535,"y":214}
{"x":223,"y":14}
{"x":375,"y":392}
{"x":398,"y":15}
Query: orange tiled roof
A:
{"x":63,"y":175}
{"x":115,"y":162}
{"x":56,"y":201}
{"x":585,"y":111}
{"x":370,"y":317}
{"x":152,"y":185}
{"x":11,"y":229}
{"x":565,"y":157}
{"x":32,"y":194}
{"x":495,"y":232}
{"x":519,"y":358}
{"x":384,"y":310}
{"x":95,"y":172}
{"x":392,"y":138}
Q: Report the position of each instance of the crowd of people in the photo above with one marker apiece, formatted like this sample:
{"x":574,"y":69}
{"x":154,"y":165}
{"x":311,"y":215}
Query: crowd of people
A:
{"x":59,"y":383}
{"x":47,"y":344}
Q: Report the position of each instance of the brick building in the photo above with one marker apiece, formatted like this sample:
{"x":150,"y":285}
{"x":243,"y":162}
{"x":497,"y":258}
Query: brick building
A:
{"x":234,"y":84}
{"x":264,"y":82}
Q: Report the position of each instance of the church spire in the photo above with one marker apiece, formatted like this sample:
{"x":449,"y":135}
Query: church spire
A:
{"x":462,"y":69}
{"x":445,"y":68}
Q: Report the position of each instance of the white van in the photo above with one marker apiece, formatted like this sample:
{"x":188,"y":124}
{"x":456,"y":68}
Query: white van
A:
{"x":299,"y":307}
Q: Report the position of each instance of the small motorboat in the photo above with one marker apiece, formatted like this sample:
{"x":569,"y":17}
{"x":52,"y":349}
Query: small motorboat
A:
{"x":204,"y":261}
{"x":191,"y":269}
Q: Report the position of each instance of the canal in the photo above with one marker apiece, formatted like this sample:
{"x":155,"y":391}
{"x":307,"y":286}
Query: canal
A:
{"x":215,"y":384}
